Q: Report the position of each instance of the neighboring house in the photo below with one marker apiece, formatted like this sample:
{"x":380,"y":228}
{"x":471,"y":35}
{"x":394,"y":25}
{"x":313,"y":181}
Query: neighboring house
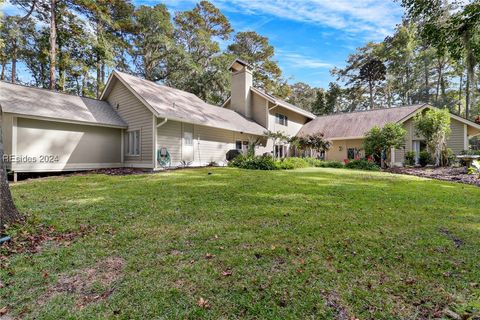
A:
{"x":272,"y":113}
{"x":136,"y":123}
{"x":346,"y":131}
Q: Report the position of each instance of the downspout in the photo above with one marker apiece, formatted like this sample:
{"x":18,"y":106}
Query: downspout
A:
{"x":162,"y":123}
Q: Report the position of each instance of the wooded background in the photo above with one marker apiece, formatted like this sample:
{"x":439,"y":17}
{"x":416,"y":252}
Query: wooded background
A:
{"x":72,"y":45}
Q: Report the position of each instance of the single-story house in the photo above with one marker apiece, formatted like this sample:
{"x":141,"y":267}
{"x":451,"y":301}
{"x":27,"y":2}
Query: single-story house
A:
{"x":346,"y":131}
{"x":139,"y":123}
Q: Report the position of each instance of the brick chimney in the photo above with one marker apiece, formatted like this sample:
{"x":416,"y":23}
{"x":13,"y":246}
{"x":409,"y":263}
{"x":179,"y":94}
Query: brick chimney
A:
{"x":242,"y":80}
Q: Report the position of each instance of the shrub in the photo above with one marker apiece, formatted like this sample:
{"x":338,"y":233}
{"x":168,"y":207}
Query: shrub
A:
{"x":448,"y":157}
{"x":424,"y":158}
{"x":313,"y":162}
{"x":330,"y":164}
{"x":475,"y":168}
{"x":362,"y":164}
{"x":255,"y":163}
{"x":292,"y":163}
{"x":470,"y":152}
{"x":410,"y":158}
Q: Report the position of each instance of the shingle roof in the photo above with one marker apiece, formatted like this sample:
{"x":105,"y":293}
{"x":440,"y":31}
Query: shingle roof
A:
{"x":31,"y":101}
{"x":356,"y":124}
{"x":184,"y":106}
{"x":283,"y":103}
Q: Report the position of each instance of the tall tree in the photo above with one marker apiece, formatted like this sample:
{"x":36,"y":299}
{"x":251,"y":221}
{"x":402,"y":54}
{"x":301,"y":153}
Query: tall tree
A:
{"x":257,"y":51}
{"x":152,"y":42}
{"x":372,"y":71}
{"x":53,"y":43}
{"x":452,"y":27}
{"x":15,"y":32}
{"x":8,"y":211}
{"x":320,"y":106}
{"x":201,"y":67}
{"x":302,"y":95}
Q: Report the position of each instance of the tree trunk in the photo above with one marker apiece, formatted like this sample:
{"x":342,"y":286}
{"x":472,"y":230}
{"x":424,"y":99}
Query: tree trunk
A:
{"x":467,"y":95}
{"x":8,"y":212}
{"x":427,"y":82}
{"x":14,"y":64}
{"x":370,"y":87}
{"x":53,"y":43}
{"x":2,"y":76}
{"x":460,"y":95}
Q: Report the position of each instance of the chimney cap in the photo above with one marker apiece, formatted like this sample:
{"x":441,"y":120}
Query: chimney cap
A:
{"x":239,"y":64}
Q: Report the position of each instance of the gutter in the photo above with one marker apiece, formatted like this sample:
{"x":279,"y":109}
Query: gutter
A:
{"x":162,"y":123}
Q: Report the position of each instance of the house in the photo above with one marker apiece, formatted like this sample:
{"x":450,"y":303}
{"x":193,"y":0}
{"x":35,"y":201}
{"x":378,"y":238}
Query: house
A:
{"x":273,"y":114}
{"x":346,"y":131}
{"x":138,"y":123}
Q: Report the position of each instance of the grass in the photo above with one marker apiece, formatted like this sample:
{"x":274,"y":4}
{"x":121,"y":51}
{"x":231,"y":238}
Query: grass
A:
{"x":308,"y":243}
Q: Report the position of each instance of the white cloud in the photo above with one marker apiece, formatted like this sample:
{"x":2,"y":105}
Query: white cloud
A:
{"x":373,"y":19}
{"x":299,"y":61}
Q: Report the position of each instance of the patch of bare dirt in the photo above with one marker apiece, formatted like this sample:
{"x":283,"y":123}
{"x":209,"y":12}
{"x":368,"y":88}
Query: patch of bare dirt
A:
{"x":82,"y":282}
{"x":333,"y":301}
{"x":456,"y":240}
{"x":32,"y":241}
{"x":440,"y":173}
{"x":121,"y":171}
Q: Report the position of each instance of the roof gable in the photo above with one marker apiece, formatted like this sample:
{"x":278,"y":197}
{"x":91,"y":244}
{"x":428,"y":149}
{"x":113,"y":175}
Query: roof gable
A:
{"x":43,"y":103}
{"x":183,"y":106}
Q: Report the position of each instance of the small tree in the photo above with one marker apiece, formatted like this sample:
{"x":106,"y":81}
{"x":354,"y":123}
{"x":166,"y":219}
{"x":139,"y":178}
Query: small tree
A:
{"x":434,"y":126}
{"x":379,"y":140}
{"x":315,"y":141}
{"x":277,"y":136}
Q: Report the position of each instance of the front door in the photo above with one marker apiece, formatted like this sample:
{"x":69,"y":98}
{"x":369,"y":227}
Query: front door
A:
{"x":187,"y":143}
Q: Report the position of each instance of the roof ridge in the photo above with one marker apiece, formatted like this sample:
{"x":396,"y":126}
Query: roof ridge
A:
{"x":365,"y":111}
{"x":48,"y":90}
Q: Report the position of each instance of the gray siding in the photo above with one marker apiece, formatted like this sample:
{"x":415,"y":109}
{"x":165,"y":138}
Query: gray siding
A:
{"x":456,"y":141}
{"x":72,"y":146}
{"x":7,"y":120}
{"x":169,"y":136}
{"x":259,"y":110}
{"x":138,"y":117}
{"x":209,"y":144}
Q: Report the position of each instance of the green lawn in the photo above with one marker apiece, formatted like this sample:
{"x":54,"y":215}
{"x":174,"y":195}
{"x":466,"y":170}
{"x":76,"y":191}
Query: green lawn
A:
{"x":311,"y":243}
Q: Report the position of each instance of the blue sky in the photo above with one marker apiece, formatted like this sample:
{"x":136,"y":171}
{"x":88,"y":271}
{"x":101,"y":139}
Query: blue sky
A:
{"x":310,"y":36}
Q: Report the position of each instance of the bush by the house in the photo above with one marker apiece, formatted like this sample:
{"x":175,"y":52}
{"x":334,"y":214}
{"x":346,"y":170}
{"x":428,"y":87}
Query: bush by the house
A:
{"x":314,"y":162}
{"x":448,"y":157}
{"x":410,"y":158}
{"x":255,"y":163}
{"x":424,"y":158}
{"x":292,"y":163}
{"x":330,"y":164}
{"x":362,"y":164}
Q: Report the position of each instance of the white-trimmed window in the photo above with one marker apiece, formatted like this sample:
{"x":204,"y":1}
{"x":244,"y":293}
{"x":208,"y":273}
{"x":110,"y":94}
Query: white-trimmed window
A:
{"x":188,"y":138}
{"x":281,"y":119}
{"x":133,"y":143}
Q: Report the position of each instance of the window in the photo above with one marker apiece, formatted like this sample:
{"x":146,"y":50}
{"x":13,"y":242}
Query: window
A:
{"x":351,"y":153}
{"x":188,"y":138}
{"x":281,"y":119}
{"x":238,"y":145}
{"x":280,"y":151}
{"x":241,"y":145}
{"x":133,"y":143}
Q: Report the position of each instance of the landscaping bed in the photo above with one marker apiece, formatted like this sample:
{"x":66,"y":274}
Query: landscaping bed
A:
{"x":453,"y":174}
